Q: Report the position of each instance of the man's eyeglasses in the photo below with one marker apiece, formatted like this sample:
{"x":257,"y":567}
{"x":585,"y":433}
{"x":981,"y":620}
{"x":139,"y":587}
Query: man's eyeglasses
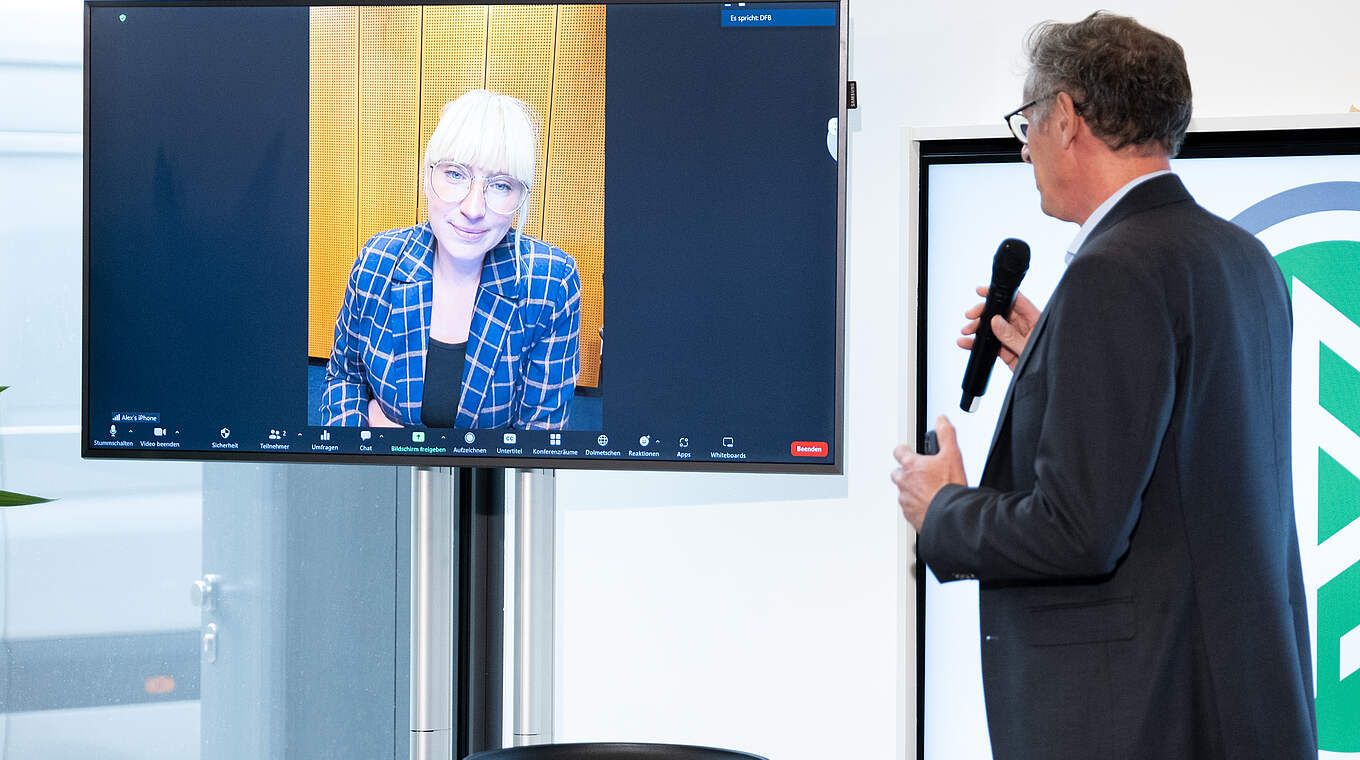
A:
{"x":452,"y":182}
{"x":1019,"y":123}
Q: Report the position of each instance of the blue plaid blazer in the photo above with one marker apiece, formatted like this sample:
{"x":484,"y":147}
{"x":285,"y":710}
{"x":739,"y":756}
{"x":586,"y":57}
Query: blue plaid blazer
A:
{"x":523,"y":353}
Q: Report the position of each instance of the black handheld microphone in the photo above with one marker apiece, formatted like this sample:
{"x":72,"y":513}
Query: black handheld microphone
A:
{"x":1008,"y":269}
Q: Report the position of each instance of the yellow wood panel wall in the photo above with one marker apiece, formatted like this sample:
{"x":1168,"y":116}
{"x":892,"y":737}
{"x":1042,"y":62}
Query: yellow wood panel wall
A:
{"x":389,"y":112}
{"x":573,"y":191}
{"x":333,"y":177}
{"x":519,"y":62}
{"x":403,"y":64}
{"x":453,"y":54}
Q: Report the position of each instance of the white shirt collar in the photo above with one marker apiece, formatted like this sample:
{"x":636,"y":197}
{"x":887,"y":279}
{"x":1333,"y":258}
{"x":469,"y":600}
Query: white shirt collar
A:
{"x":1103,"y":209}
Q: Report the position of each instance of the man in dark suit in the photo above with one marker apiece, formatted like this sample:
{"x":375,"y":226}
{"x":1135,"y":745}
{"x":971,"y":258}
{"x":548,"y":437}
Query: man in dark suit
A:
{"x":1133,"y":531}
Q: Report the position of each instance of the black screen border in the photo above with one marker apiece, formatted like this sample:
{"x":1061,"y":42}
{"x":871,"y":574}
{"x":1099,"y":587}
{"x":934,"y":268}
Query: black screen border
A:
{"x":1235,"y":143}
{"x":835,"y":464}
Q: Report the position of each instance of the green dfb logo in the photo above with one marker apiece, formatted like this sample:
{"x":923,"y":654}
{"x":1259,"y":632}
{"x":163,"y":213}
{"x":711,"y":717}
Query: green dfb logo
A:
{"x":1324,"y":279}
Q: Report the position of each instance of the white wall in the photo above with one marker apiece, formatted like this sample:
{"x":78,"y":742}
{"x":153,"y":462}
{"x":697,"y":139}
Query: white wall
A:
{"x":774,"y":614}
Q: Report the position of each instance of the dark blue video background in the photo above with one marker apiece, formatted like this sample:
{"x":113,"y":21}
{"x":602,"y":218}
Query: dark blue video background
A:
{"x":198,"y":213}
{"x":720,"y":223}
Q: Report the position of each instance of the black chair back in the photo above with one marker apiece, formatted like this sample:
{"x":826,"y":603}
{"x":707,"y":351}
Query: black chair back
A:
{"x":611,"y":751}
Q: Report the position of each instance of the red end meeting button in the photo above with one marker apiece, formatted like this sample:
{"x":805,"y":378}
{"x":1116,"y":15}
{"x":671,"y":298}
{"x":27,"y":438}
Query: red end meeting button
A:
{"x":808,"y":448}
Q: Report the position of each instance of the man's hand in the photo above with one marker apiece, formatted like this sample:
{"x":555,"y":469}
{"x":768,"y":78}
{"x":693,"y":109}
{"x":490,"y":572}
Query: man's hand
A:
{"x":1012,"y":333}
{"x":919,"y":477}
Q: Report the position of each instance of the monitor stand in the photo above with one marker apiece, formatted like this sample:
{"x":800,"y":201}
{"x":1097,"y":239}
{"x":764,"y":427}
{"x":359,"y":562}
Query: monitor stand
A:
{"x":535,"y":506}
{"x":433,"y":596}
{"x":457,"y":566}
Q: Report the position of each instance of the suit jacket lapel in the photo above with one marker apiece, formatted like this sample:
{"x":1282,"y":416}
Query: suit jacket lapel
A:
{"x":412,"y":294}
{"x":489,"y":332}
{"x":1003,"y":419}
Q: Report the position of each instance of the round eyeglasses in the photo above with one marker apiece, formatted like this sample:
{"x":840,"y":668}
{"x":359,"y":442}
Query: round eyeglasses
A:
{"x":452,"y":181}
{"x":1019,"y":123}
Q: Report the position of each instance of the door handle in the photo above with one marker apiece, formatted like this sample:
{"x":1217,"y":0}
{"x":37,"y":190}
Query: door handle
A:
{"x":203,"y":593}
{"x":208,"y":646}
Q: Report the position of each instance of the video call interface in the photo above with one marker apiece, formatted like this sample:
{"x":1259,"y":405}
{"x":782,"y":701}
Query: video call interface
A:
{"x":241,"y":159}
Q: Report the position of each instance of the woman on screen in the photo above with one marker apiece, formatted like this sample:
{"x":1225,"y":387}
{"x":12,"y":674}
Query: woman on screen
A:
{"x":461,"y":321}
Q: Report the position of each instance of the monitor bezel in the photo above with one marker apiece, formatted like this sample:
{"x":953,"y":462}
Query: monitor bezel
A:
{"x":834,"y":465}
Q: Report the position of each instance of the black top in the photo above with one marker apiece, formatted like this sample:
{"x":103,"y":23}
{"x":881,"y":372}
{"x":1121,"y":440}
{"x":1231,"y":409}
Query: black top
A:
{"x":443,"y":383}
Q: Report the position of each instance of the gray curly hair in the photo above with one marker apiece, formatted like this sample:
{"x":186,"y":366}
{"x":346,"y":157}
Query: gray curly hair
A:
{"x":1129,"y":83}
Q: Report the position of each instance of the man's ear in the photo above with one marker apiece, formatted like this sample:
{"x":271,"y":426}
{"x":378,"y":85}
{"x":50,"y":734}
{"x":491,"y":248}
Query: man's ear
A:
{"x":1065,"y":118}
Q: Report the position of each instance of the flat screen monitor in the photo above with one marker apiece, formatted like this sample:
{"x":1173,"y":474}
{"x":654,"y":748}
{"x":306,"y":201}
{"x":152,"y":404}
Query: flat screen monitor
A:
{"x":407,"y":234}
{"x":1298,"y":191}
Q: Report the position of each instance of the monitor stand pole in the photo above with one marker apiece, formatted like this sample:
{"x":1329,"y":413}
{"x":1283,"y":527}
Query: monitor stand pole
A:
{"x":432,"y":606}
{"x":437,"y":502}
{"x":535,"y":507}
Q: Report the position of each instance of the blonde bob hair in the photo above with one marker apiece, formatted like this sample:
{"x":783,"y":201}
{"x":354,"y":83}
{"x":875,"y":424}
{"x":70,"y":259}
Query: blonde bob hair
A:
{"x":490,"y":131}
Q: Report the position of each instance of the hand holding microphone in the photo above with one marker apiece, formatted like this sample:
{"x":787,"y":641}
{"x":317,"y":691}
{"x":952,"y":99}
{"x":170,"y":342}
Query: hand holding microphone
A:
{"x":1012,"y":331}
{"x":1008,"y":268}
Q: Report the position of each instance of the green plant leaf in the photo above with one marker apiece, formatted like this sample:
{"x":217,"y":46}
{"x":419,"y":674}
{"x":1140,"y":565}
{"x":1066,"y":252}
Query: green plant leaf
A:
{"x":10,"y":499}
